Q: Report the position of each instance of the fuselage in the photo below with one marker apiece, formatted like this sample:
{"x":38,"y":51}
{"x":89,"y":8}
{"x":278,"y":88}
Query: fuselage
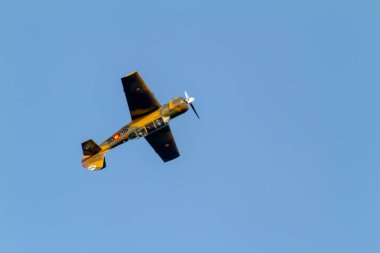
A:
{"x":146,"y":125}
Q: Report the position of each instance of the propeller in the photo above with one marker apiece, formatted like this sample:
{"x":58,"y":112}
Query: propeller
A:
{"x":189,"y":101}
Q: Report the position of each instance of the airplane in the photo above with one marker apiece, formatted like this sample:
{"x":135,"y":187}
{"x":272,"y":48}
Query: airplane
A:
{"x":149,"y":120}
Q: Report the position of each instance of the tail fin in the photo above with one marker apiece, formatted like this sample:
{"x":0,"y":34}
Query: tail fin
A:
{"x":93,"y":158}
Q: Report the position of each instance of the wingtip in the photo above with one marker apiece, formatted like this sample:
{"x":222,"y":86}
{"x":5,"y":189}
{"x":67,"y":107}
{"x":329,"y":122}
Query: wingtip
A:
{"x":130,"y":74}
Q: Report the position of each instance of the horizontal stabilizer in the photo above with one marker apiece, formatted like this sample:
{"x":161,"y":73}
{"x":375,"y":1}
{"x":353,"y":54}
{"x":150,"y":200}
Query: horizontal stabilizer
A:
{"x":90,"y":148}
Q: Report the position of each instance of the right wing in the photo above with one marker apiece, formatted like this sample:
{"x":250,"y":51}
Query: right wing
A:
{"x":141,"y":100}
{"x":163,"y":143}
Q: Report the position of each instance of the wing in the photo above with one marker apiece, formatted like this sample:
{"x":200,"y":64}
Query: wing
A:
{"x":163,"y":143}
{"x":141,"y":100}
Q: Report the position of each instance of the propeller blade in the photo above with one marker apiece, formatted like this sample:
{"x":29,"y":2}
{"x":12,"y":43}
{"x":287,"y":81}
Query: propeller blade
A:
{"x":189,"y":99}
{"x":192,"y":107}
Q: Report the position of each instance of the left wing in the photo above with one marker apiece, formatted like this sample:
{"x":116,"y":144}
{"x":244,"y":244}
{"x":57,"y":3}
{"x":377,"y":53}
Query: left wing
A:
{"x":163,"y":143}
{"x":141,"y":100}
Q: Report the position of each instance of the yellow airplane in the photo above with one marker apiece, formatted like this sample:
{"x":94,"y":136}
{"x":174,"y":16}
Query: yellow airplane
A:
{"x":149,"y":120}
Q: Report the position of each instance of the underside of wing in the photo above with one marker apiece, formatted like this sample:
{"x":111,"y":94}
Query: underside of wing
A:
{"x":141,"y":100}
{"x":163,"y":143}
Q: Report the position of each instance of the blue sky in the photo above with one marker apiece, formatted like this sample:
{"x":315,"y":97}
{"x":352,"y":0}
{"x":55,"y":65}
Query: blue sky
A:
{"x":284,"y":157}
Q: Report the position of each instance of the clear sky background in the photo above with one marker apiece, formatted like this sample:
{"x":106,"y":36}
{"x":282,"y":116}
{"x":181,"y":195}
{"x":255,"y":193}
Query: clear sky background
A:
{"x":285,"y":157}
